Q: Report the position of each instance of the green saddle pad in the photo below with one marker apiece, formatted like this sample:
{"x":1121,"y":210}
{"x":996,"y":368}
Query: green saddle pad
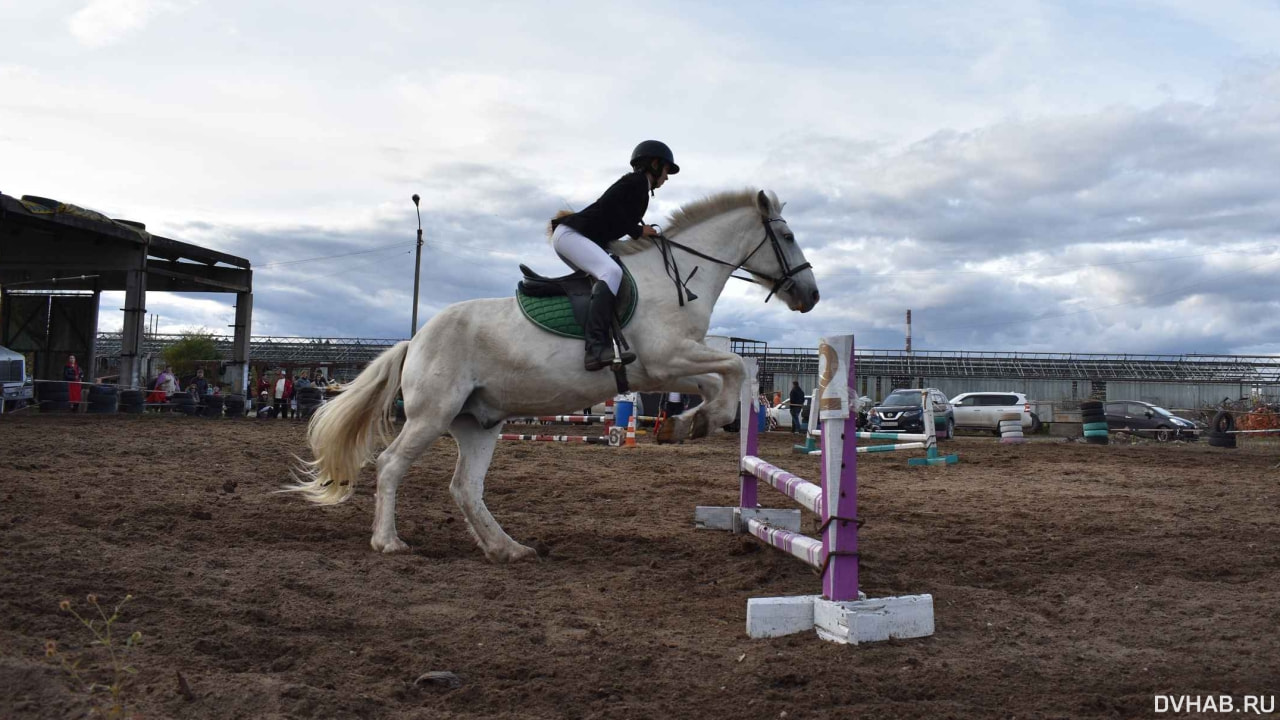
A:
{"x":555,"y":314}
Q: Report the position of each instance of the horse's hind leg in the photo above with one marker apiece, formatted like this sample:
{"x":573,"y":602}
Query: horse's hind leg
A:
{"x":415,"y":437}
{"x":475,"y":451}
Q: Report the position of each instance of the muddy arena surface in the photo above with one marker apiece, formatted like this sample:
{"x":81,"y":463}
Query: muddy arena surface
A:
{"x":1070,"y":580}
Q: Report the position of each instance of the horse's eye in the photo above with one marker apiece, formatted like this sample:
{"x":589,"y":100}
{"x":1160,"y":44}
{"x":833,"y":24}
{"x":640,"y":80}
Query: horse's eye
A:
{"x":789,"y":237}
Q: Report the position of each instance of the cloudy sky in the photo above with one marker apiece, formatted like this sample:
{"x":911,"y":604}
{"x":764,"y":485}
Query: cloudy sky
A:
{"x":1024,"y":176}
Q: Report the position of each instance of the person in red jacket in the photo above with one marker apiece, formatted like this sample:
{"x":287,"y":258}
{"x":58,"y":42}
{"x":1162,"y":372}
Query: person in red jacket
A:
{"x":73,"y":374}
{"x":581,"y":239}
{"x":283,"y":394}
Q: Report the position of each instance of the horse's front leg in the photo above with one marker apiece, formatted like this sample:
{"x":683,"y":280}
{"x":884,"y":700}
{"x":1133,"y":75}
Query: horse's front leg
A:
{"x":718,"y":376}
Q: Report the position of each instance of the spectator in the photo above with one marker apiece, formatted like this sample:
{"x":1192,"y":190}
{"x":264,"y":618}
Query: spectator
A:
{"x":302,"y":381}
{"x":283,"y":395}
{"x":166,"y":382}
{"x":198,"y":385}
{"x":73,"y":374}
{"x":675,"y":404}
{"x":777,"y":398}
{"x":796,"y":404}
{"x":264,"y":387}
{"x":265,"y":410}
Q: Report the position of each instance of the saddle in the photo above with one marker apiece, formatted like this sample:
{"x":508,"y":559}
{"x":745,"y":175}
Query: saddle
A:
{"x":559,"y":305}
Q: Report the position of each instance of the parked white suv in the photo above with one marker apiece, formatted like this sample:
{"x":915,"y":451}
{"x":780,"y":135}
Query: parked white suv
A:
{"x":982,"y":410}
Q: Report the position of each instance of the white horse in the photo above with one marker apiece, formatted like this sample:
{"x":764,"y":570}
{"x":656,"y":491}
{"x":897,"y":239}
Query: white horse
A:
{"x":479,"y":362}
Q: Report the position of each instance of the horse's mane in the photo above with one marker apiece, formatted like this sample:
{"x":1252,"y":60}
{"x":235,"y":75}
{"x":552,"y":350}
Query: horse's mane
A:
{"x":689,"y":215}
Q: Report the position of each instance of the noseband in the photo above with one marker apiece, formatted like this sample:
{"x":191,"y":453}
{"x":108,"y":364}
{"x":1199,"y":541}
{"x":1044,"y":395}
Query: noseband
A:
{"x":782,"y":283}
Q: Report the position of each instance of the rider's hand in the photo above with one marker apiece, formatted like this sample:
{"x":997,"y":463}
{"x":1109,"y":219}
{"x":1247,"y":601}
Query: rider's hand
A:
{"x":648,"y":231}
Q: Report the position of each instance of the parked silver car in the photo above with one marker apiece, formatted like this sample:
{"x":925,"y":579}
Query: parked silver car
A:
{"x":982,"y":410}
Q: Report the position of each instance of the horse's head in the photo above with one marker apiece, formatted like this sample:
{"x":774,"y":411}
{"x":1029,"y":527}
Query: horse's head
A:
{"x":778,"y":262}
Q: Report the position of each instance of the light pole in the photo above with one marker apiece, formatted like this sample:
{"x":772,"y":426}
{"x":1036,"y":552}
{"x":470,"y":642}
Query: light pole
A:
{"x":417,"y":269}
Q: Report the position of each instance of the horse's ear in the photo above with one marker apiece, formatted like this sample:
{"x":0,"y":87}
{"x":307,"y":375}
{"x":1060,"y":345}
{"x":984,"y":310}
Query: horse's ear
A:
{"x":763,"y":204}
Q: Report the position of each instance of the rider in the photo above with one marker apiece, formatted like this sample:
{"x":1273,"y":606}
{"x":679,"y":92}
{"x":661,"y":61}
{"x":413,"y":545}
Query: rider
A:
{"x":580,"y":240}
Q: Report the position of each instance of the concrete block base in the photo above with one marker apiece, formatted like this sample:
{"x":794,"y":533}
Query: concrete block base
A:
{"x":848,"y":623}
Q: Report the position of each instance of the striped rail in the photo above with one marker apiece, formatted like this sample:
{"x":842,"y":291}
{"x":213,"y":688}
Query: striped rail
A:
{"x":588,"y":439}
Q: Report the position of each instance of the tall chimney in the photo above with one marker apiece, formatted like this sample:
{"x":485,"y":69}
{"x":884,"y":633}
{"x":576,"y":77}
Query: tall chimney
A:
{"x":908,"y":331}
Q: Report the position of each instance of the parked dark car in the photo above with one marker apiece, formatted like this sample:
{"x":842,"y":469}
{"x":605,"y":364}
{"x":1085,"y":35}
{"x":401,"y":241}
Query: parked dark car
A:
{"x":903,"y":411}
{"x":1147,"y":420}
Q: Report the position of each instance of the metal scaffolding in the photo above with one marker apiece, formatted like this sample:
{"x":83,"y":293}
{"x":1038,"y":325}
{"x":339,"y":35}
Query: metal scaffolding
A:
{"x":271,"y":350}
{"x":1246,"y":369}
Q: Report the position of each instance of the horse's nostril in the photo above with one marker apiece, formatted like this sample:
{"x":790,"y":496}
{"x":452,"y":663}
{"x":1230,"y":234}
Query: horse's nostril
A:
{"x":815,"y":296}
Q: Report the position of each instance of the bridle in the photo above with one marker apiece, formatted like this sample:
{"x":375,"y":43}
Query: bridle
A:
{"x":782,"y":283}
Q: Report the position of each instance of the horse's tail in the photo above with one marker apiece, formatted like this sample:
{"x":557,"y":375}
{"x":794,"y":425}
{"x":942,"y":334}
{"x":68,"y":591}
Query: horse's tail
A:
{"x":345,"y":432}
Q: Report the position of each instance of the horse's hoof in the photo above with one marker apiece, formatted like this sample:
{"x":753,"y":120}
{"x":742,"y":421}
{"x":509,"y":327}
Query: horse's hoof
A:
{"x":508,"y":555}
{"x":700,"y":426}
{"x":394,"y":545}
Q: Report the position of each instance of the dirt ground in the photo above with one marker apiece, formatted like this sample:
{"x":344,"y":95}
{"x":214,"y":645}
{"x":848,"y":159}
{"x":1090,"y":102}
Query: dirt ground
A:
{"x":1069,"y":580}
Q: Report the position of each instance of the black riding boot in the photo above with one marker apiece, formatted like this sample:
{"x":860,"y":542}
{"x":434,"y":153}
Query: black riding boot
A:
{"x":599,"y":325}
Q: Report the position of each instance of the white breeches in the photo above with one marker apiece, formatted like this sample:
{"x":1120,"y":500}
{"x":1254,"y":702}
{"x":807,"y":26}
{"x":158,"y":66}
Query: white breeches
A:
{"x":587,"y":256}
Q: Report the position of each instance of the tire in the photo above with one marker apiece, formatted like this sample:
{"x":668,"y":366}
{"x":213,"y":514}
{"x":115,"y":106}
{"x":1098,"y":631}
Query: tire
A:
{"x":951,"y":429}
{"x":52,"y":391}
{"x":55,"y":406}
{"x":102,"y":392}
{"x":183,"y":403}
{"x":1097,"y":440}
{"x":1035,"y":424}
{"x":103,"y":407}
{"x":1164,"y":434}
{"x":133,"y":397}
{"x":133,"y":408}
{"x":212,"y":407}
{"x":1094,"y":426}
{"x":234,"y":406}
{"x":306,"y":410}
{"x":1222,"y":440}
{"x":1223,"y":423}
{"x":1095,"y":433}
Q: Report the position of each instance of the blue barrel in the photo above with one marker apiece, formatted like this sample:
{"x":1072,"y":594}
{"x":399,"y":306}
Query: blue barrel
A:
{"x":622,"y":412}
{"x":762,"y":421}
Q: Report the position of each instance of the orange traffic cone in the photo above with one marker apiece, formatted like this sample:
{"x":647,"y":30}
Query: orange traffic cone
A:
{"x":631,"y":432}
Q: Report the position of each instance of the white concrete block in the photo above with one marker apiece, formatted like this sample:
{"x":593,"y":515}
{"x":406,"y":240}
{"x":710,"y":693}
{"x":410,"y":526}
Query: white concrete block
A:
{"x":910,"y":616}
{"x":775,"y":617}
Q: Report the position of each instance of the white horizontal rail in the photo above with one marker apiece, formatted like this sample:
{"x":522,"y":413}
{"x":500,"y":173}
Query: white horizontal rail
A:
{"x":807,"y":494}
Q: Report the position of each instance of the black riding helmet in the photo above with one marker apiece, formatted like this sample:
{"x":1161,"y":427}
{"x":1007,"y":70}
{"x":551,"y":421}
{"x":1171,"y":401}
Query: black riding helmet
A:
{"x":654,"y":149}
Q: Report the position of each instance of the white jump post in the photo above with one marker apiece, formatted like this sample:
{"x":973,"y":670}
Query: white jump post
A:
{"x":841,"y":613}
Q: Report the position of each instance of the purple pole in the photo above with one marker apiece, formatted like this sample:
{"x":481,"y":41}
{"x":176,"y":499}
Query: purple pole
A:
{"x":840,"y":495}
{"x":749,"y":443}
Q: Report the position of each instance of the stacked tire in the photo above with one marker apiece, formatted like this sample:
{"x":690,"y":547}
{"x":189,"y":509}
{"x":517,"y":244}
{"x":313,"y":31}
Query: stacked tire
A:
{"x":183,"y":403}
{"x":1095,"y":422}
{"x":133,"y":401}
{"x":53,"y":397}
{"x":1011,"y":429}
{"x":234,"y":405}
{"x":211,"y":407}
{"x":310,"y":399}
{"x":103,"y":399}
{"x":1220,"y":432}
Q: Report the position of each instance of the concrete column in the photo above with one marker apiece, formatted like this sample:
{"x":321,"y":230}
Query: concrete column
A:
{"x":240,"y":344}
{"x":91,"y":361}
{"x":135,"y":310}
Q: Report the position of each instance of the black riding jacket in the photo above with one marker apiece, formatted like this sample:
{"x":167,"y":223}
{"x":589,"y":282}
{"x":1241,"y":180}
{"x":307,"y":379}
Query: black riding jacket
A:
{"x":618,"y":212}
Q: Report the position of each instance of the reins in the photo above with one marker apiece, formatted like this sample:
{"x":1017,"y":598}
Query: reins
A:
{"x":780,"y":284}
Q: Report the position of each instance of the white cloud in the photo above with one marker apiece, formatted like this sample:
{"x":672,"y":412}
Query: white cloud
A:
{"x":104,"y":22}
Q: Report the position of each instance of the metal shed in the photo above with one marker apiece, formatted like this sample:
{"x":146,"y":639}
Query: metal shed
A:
{"x":57,"y":258}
